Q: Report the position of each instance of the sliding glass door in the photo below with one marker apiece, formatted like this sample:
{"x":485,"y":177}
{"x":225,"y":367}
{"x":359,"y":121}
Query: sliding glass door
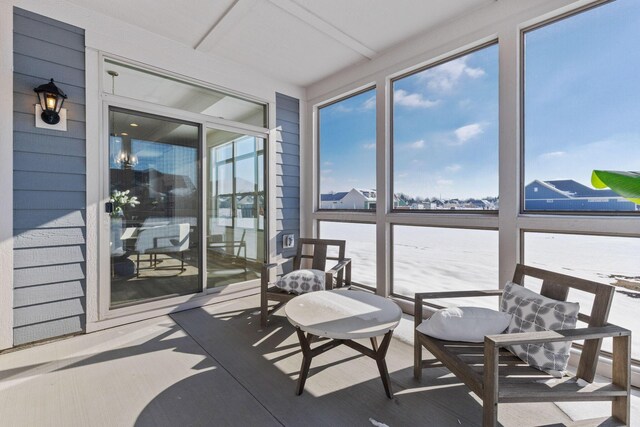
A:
{"x":235,"y":216}
{"x":154,"y":207}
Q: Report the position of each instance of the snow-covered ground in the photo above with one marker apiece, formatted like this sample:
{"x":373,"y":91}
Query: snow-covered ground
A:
{"x":427,"y":259}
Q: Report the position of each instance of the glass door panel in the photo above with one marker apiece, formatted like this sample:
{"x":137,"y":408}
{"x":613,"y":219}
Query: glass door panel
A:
{"x":235,"y":207}
{"x":155,"y":202}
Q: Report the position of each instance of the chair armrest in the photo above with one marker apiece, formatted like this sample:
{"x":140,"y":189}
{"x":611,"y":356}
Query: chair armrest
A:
{"x":339,"y":266}
{"x":337,"y":270}
{"x":458,"y":294}
{"x":595,"y":332}
{"x":421,"y":296}
{"x":279,"y":261}
{"x":267,"y":267}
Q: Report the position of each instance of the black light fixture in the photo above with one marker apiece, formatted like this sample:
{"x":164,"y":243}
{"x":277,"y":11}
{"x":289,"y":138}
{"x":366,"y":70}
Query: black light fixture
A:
{"x":125,"y":159}
{"x":51,"y":99}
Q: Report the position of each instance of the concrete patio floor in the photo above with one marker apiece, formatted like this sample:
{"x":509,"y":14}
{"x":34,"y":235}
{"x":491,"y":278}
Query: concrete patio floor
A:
{"x":215,"y":366}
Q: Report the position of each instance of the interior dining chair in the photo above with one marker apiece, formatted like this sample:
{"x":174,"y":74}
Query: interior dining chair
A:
{"x":163,"y":239}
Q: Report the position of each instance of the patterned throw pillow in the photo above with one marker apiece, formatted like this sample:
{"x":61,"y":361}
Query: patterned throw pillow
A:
{"x":302,"y":281}
{"x":534,"y":312}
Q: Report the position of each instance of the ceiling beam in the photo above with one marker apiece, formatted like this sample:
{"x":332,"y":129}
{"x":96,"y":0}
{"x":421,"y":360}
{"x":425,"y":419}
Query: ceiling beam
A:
{"x":323,"y":26}
{"x":238,"y":10}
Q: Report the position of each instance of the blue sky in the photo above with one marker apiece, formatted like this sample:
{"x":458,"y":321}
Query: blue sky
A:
{"x":581,"y":104}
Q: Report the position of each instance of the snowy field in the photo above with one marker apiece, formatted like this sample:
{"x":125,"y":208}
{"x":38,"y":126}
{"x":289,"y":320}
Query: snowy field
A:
{"x":427,"y":259}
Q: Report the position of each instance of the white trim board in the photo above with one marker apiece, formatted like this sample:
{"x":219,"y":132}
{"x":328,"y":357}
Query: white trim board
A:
{"x":6,"y":176}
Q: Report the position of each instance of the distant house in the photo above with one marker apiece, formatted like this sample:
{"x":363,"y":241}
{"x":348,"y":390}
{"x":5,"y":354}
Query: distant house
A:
{"x":332,"y":200}
{"x":477,"y":204}
{"x":400,"y":203}
{"x":569,"y":195}
{"x":354,"y":199}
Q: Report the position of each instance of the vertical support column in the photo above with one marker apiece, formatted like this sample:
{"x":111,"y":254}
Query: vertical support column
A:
{"x":94,"y":194}
{"x":384,"y":202}
{"x":308,"y":182}
{"x":509,"y":151}
{"x":6,"y":176}
{"x":270,"y":147}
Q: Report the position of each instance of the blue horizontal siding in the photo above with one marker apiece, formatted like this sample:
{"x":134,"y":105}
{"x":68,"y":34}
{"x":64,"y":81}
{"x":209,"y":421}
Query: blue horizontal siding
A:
{"x":47,"y":312}
{"x":48,"y":181}
{"x":287,"y":170}
{"x":51,"y":24}
{"x":33,"y":219}
{"x":48,"y":237}
{"x":49,"y":196}
{"x":49,"y":51}
{"x":39,"y":257}
{"x":48,"y":274}
{"x":25,"y":122}
{"x":25,"y":103}
{"x":23,"y":84}
{"x":50,"y":329}
{"x":40,"y":294}
{"x":43,"y":70}
{"x":27,"y":199}
{"x":39,"y":162}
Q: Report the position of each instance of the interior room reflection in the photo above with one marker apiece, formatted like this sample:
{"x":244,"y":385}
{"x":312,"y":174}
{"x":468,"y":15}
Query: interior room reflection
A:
{"x":235,"y":217}
{"x":153,"y":180}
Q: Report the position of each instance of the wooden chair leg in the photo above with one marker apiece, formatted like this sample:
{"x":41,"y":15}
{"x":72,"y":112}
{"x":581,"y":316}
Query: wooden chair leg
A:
{"x":621,"y":406}
{"x":264,"y":312}
{"x":347,"y":277}
{"x":137,"y":265}
{"x":417,"y":357}
{"x":490,"y":395}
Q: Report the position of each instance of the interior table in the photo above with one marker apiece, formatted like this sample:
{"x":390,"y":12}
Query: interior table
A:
{"x":343,"y":316}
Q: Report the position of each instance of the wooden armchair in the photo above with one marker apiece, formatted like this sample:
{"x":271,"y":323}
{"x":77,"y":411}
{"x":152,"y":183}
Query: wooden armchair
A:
{"x":314,"y":250}
{"x":495,"y":375}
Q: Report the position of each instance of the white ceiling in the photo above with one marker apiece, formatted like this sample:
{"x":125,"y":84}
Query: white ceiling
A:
{"x":297,"y":41}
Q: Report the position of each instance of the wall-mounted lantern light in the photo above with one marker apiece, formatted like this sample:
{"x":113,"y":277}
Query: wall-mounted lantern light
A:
{"x":50,"y":99}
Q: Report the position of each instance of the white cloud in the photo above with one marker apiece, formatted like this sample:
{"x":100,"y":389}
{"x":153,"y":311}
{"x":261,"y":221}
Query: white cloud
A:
{"x":369,"y":146}
{"x":552,"y":155}
{"x":402,"y":175}
{"x":370,"y":103}
{"x":465,"y":133}
{"x":444,"y":182}
{"x":328,"y":163}
{"x":419,"y":144}
{"x":339,"y":108}
{"x":453,"y":168}
{"x":327,"y":171}
{"x":412,"y":100}
{"x":444,"y":77}
{"x":465,"y":103}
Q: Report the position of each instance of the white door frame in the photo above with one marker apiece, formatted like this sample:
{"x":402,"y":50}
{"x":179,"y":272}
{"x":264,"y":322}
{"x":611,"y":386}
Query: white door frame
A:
{"x":104,"y":316}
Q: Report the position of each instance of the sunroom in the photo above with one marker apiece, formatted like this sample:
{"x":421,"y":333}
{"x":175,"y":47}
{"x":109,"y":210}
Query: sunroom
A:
{"x":158,"y":156}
